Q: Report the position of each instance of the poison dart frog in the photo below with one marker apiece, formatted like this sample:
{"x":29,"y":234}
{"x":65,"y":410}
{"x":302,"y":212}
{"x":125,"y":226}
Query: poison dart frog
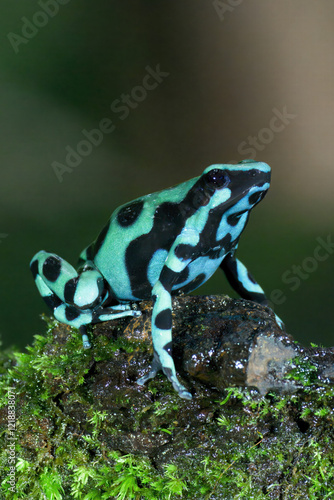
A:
{"x":154,"y":247}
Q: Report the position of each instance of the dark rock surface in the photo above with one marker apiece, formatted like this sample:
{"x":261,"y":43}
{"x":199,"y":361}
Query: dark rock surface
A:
{"x":219,"y":342}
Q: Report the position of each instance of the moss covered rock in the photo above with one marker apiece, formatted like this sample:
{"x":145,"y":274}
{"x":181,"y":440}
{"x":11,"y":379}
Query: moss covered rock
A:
{"x":260,"y":424}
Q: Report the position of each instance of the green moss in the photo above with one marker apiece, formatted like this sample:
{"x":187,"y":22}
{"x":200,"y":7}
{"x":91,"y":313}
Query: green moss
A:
{"x":302,"y":371}
{"x":236,"y":446}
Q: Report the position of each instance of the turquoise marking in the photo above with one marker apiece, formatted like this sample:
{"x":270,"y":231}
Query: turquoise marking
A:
{"x":156,"y":264}
{"x":247,"y":283}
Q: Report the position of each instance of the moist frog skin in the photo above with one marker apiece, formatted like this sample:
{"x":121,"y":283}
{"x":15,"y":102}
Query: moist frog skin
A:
{"x":157,"y":246}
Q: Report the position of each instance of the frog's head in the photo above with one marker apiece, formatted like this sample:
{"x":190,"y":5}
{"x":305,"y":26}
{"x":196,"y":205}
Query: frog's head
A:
{"x":241,"y":186}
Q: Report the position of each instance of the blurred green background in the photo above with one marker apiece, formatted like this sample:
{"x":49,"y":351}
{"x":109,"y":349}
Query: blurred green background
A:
{"x":232,"y":67}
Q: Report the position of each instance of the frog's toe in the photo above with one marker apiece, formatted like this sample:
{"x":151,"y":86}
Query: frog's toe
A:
{"x":184,"y":394}
{"x":155,"y":367}
{"x":145,"y":378}
{"x":180,"y":389}
{"x":142,"y":380}
{"x":85,"y":342}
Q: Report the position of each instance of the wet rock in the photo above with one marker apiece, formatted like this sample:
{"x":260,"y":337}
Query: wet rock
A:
{"x":220,"y":342}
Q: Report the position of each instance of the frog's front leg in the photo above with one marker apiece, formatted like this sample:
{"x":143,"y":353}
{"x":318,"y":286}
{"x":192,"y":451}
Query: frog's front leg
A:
{"x":75,"y":298}
{"x":162,"y":323}
{"x":243,"y":282}
{"x":162,"y":340}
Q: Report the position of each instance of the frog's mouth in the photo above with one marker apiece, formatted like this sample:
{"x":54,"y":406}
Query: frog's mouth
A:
{"x":241,"y":182}
{"x":256,"y":197}
{"x":247,"y":198}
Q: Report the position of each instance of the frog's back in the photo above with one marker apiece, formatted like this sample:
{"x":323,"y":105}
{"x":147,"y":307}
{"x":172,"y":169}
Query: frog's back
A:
{"x":131,"y":249}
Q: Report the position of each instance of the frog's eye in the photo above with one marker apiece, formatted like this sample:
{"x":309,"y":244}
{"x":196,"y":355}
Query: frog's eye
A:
{"x":217,"y":178}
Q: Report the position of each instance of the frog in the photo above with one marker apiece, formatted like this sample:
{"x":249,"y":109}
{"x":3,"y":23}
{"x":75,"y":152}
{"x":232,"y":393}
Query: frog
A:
{"x":162,"y":244}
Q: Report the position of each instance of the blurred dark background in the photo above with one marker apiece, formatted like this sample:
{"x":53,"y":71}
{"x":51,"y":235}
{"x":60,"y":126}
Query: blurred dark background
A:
{"x":228,"y":70}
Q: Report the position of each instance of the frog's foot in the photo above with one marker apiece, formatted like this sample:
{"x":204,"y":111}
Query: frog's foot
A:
{"x":114,"y":312}
{"x":155,"y":367}
{"x":180,"y":389}
{"x":106,"y":314}
{"x":85,"y":340}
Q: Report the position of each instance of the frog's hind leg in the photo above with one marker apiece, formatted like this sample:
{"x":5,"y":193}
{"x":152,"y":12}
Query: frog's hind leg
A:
{"x":75,"y":298}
